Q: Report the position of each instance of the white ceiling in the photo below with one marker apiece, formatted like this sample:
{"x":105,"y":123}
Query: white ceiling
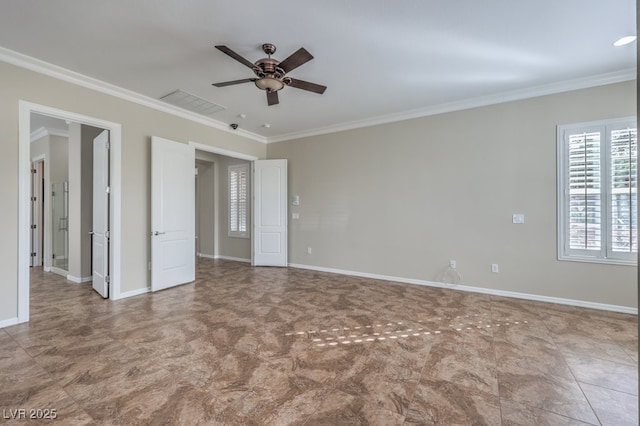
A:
{"x":381,"y":60}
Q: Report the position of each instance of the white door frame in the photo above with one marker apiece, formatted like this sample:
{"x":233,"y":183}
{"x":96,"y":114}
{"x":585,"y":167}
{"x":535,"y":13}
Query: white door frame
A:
{"x":37,"y":212}
{"x":24,"y":183}
{"x":226,"y":153}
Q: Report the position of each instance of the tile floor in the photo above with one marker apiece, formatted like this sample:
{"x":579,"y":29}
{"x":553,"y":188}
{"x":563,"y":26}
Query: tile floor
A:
{"x":283,"y":346}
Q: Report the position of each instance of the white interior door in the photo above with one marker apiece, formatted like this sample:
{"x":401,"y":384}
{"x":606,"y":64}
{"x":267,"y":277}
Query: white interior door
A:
{"x":173,"y":260}
{"x":100,"y":238}
{"x":269,"y":213}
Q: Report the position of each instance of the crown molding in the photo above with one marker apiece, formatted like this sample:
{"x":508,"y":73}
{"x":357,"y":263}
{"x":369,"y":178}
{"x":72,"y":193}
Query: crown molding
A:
{"x":60,"y":73}
{"x":498,"y":98}
{"x":48,"y":131}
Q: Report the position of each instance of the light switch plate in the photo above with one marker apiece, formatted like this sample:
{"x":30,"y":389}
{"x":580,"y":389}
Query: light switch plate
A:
{"x":295,"y":215}
{"x":518,"y":218}
{"x":295,"y":200}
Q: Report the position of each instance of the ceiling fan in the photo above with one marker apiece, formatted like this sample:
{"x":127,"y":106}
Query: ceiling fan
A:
{"x":271,"y":75}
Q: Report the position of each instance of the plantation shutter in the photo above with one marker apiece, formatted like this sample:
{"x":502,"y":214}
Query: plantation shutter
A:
{"x":624,"y":184}
{"x":238,"y":200}
{"x":585,"y":191}
{"x":597,"y":196}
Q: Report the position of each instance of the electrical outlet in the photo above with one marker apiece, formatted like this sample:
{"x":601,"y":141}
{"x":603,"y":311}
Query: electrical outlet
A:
{"x":452,"y":264}
{"x":309,"y":251}
{"x":518,"y":218}
{"x":494,"y":268}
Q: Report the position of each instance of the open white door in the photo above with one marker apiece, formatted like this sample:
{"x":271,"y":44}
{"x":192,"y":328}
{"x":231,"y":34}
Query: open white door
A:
{"x":269,"y":213}
{"x":37,"y":210}
{"x":173,"y":260}
{"x":100,"y":239}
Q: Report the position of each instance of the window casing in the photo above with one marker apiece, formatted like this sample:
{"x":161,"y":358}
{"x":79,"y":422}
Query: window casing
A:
{"x":239,"y":201}
{"x":597,"y":191}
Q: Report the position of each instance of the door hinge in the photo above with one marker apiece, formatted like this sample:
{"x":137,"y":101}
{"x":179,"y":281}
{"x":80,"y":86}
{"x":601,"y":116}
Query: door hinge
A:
{"x":108,"y":145}
{"x":107,"y":279}
{"x":33,"y":198}
{"x":53,"y":256}
{"x":33,"y":226}
{"x":107,"y":190}
{"x":53,"y":193}
{"x":33,"y":171}
{"x":107,"y":235}
{"x":33,"y":255}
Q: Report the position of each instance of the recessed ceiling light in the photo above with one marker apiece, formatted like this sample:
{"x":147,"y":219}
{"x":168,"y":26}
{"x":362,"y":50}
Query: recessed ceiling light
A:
{"x":243,"y":115}
{"x":624,"y":40}
{"x":267,"y":125}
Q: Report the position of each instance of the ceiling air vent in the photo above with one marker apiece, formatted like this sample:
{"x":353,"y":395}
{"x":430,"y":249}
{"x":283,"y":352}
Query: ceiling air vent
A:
{"x":190,"y":102}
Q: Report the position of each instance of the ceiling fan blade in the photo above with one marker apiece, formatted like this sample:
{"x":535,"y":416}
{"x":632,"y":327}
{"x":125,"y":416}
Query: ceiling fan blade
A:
{"x":272,"y":98}
{"x":230,"y":83}
{"x":234,"y":55}
{"x":306,"y":85}
{"x":299,"y":57}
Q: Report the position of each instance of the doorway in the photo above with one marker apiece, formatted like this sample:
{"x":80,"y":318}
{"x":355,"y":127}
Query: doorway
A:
{"x":26,"y":109}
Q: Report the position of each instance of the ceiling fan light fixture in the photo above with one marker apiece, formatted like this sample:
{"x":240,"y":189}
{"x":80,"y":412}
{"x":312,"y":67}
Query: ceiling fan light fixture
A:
{"x":269,"y":84}
{"x":625,"y":40}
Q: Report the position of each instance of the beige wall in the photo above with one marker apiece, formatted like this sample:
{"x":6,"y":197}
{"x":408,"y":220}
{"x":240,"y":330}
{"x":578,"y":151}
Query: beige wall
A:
{"x":206,"y":208}
{"x":75,"y":200}
{"x":138,"y":125}
{"x":402,"y":199}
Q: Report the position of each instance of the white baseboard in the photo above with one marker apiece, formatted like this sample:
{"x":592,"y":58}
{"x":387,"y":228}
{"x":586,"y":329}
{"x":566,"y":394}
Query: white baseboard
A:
{"x":79,"y":280}
{"x":8,"y":322}
{"x":58,"y":271}
{"x":504,"y":293}
{"x":132,"y":293}
{"x":47,"y":268}
{"x":235,"y":259}
{"x":207,"y":256}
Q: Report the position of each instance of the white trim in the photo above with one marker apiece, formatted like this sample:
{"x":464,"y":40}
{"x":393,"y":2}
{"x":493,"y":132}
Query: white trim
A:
{"x":234,"y":259}
{"x":482,"y":290}
{"x":47,"y":131}
{"x":207,"y":256}
{"x":60,"y":73}
{"x":604,"y":255}
{"x":59,"y":271}
{"x":42,"y":67}
{"x":24,"y":214}
{"x":46,"y":268}
{"x":222,"y":151}
{"x":8,"y":322}
{"x":24,"y":178}
{"x":133,"y":293}
{"x":79,"y":280}
{"x":233,"y":168}
{"x":498,"y":98}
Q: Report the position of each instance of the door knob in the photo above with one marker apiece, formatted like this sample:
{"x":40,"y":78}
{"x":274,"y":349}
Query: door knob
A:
{"x":158,"y":233}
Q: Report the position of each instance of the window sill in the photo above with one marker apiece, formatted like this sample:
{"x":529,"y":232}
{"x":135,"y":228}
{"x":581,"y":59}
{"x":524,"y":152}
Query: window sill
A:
{"x":614,"y":262}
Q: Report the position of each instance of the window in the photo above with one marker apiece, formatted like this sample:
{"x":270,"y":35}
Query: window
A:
{"x":239,"y":201}
{"x":597,"y":193}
